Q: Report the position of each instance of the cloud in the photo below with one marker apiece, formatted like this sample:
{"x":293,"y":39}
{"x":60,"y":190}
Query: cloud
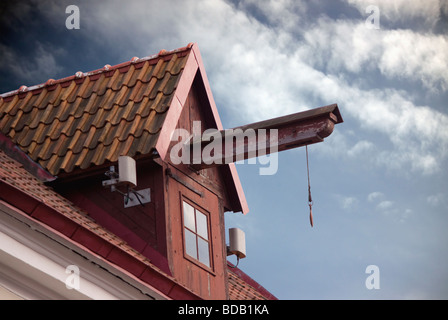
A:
{"x":267,"y":79}
{"x":394,"y":211}
{"x":381,"y":203}
{"x":437,"y":199}
{"x":385,"y":204}
{"x":349,"y":202}
{"x":375,"y":196}
{"x":400,"y":11}
{"x":417,"y":133}
{"x":279,"y":14}
{"x":348,"y":46}
{"x":341,"y":45}
{"x":389,"y":208}
{"x":419,"y":57}
{"x":31,"y":70}
{"x":360,"y":148}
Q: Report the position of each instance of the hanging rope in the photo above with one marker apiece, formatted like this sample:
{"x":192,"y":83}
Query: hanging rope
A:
{"x":310,"y":200}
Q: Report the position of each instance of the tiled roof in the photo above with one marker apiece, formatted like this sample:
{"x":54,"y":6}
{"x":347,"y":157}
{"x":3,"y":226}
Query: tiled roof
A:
{"x":12,"y":173}
{"x":89,"y":118}
{"x":242,"y":287}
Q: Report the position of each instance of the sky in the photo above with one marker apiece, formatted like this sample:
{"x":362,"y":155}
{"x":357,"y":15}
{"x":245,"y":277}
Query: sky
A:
{"x":379,"y":182}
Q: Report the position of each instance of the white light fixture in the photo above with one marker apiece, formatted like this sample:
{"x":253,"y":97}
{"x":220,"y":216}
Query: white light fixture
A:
{"x":127,"y":178}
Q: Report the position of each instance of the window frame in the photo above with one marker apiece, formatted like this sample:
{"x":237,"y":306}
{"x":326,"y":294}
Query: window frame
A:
{"x":190,"y":258}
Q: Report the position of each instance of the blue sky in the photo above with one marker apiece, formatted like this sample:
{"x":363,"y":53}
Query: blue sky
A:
{"x":379,"y":182}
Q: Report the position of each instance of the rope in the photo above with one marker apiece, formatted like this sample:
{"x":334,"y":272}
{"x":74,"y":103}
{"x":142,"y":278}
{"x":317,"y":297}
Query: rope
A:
{"x":310,"y":199}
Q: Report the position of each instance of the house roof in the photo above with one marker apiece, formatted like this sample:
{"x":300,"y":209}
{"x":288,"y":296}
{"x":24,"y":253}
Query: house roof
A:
{"x":91,"y":118}
{"x":243,"y":287}
{"x":24,"y":191}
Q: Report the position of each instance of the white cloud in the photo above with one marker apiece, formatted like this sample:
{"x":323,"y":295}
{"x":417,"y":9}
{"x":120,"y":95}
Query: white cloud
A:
{"x":415,"y":56}
{"x":337,"y":45}
{"x":399,"y":11}
{"x":344,"y":45}
{"x":437,"y":199}
{"x":360,"y":148}
{"x":385,"y":204}
{"x":373,"y":196}
{"x":347,"y":203}
{"x":417,"y":133}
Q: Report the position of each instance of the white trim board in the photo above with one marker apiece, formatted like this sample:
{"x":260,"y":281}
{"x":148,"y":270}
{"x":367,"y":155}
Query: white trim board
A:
{"x":34,"y":260}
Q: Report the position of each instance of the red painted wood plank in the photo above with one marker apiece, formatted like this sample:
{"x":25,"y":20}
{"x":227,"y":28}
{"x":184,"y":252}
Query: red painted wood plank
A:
{"x":55,"y":220}
{"x":126,"y":261}
{"x":92,"y":242}
{"x":17,"y":199}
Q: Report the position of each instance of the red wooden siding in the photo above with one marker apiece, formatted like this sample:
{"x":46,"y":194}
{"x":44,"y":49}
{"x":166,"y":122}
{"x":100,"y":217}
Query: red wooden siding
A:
{"x":142,"y":227}
{"x":206,"y":189}
{"x":209,"y":283}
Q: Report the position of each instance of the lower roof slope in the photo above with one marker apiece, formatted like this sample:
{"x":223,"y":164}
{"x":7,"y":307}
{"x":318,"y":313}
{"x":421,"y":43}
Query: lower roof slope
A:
{"x":242,"y":287}
{"x":21,"y":189}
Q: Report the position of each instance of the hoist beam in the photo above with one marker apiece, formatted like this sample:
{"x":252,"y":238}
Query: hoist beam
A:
{"x":214,"y":148}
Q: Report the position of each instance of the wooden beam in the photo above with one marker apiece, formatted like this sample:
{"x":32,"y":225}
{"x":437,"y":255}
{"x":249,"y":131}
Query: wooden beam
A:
{"x":218,"y":147}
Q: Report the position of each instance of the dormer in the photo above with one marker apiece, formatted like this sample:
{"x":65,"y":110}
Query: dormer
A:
{"x":76,"y":128}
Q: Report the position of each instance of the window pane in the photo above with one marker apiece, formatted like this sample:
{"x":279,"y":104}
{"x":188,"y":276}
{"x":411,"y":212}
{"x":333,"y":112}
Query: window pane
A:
{"x":201,"y":222}
{"x":190,"y":244}
{"x":204,"y":256}
{"x":189,"y":217}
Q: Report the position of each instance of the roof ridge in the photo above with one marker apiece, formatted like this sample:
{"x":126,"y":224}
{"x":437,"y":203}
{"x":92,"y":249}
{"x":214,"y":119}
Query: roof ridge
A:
{"x":107,"y":68}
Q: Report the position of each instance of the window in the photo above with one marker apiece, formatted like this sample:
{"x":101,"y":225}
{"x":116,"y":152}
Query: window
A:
{"x":196,"y":235}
